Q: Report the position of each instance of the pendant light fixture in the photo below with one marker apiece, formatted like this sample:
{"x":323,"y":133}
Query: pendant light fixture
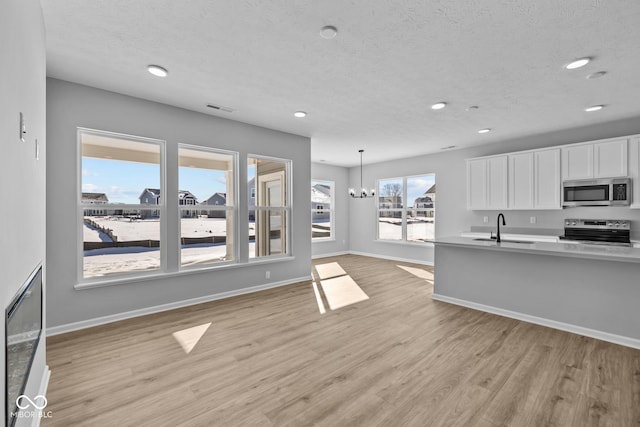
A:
{"x":364,"y":193}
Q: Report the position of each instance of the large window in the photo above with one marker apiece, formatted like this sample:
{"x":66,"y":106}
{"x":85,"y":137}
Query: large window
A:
{"x":123,"y":207}
{"x":206,"y":199}
{"x":269,"y":206}
{"x":406,"y":208}
{"x":322,"y":210}
{"x":121,"y":203}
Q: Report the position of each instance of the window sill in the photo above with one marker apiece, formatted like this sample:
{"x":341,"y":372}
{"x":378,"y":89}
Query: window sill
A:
{"x":321,"y":240}
{"x":126,"y":280}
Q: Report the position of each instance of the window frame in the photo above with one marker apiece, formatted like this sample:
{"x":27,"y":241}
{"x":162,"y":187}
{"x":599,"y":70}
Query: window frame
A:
{"x":404,"y":210}
{"x":332,"y":216}
{"x":234,"y":209}
{"x":80,"y":207}
{"x":287,"y":208}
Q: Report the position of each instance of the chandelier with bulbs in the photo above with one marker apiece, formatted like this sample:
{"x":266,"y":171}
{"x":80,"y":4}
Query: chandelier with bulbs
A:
{"x":364,"y":193}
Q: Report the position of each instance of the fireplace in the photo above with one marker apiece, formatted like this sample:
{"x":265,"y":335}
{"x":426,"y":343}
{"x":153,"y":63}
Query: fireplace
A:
{"x":23,"y":327}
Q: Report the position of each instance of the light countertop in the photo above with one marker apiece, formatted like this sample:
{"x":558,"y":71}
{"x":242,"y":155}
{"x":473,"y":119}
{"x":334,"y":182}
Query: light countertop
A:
{"x":545,"y":245}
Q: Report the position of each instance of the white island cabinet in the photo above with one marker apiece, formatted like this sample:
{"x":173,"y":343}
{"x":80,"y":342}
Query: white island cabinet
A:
{"x":601,"y":159}
{"x":561,"y":285}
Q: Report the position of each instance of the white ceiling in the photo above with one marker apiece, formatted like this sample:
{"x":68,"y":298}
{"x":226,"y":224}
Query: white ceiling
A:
{"x":372,"y":86}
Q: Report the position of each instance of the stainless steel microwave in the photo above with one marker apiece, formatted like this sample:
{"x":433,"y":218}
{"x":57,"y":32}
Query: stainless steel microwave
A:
{"x":597,"y":192}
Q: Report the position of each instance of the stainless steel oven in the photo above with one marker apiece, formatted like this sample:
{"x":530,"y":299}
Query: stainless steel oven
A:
{"x":615,"y":232}
{"x":597,"y":192}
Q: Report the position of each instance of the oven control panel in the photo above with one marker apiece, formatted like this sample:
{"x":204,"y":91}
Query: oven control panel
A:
{"x":599,"y":224}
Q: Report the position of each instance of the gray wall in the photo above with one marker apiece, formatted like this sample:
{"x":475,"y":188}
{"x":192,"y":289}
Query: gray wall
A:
{"x":70,"y":106}
{"x":452,"y":216}
{"x":22,"y":188}
{"x":342,"y":201}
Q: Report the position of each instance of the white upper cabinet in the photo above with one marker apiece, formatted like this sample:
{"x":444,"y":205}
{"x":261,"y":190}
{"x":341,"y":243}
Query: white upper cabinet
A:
{"x":534,"y":180}
{"x":487,"y":183}
{"x":610,"y":158}
{"x":477,"y":184}
{"x":577,"y":162}
{"x":547,"y":183}
{"x":634,"y":170}
{"x":521,"y":180}
{"x":604,"y":159}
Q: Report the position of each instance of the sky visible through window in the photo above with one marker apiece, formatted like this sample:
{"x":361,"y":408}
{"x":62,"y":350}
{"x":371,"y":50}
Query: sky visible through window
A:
{"x":123,"y":181}
{"x":417,"y":186}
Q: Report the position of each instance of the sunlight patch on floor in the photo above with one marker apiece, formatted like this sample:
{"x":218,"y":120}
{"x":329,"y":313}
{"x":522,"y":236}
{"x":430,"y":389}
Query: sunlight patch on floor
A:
{"x":316,"y":291}
{"x":328,"y":270}
{"x":342,"y":291}
{"x":418,"y":272}
{"x":188,"y":338}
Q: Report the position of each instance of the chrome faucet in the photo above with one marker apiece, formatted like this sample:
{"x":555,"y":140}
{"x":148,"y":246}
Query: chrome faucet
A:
{"x":498,"y":232}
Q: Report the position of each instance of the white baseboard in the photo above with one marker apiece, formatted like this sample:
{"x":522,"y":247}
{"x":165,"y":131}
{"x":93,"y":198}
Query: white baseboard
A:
{"x":391,"y":258}
{"x":75,"y":326}
{"x":318,"y":256}
{"x":592,"y":333}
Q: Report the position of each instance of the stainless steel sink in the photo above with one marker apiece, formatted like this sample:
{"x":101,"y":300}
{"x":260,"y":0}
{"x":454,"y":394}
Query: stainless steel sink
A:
{"x":526,"y":242}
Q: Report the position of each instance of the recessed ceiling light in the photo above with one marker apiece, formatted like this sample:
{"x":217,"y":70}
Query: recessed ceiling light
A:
{"x":596,"y":75}
{"x":300,"y":114}
{"x":472,"y":108}
{"x":157,"y":70}
{"x":594,"y":108}
{"x":487,"y":130}
{"x":328,"y":32}
{"x":577,"y":63}
{"x":438,"y":105}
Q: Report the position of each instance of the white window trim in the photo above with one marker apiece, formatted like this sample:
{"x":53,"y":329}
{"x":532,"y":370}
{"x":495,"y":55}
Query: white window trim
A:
{"x":234,"y":209}
{"x":288,"y":208}
{"x":332,"y":216}
{"x":404,"y":210}
{"x":81,"y":206}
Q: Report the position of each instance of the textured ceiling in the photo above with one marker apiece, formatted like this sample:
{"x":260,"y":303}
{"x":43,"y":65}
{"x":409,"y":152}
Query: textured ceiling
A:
{"x":371,"y":87}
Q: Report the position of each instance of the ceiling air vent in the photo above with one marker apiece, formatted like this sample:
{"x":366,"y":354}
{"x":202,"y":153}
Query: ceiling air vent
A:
{"x":220,"y":108}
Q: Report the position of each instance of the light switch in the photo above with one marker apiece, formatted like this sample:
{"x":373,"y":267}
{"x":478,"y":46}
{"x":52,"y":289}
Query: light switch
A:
{"x":23,"y":127}
{"x":37,"y":150}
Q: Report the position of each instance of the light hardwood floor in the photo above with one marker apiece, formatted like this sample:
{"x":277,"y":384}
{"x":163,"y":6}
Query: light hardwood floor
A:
{"x":397,"y":358}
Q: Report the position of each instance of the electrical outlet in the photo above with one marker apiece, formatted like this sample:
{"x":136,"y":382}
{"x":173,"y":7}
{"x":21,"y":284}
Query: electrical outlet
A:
{"x":268,"y":274}
{"x":532,"y":219}
{"x":485,"y":219}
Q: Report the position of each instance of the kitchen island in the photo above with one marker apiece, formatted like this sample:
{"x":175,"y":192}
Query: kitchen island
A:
{"x":586,"y":289}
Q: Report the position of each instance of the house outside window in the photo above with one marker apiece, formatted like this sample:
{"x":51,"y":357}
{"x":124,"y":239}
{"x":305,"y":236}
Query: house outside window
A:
{"x":123,"y":236}
{"x":270,"y":208}
{"x":207,"y":206}
{"x":406,"y":209}
{"x":322,"y":210}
